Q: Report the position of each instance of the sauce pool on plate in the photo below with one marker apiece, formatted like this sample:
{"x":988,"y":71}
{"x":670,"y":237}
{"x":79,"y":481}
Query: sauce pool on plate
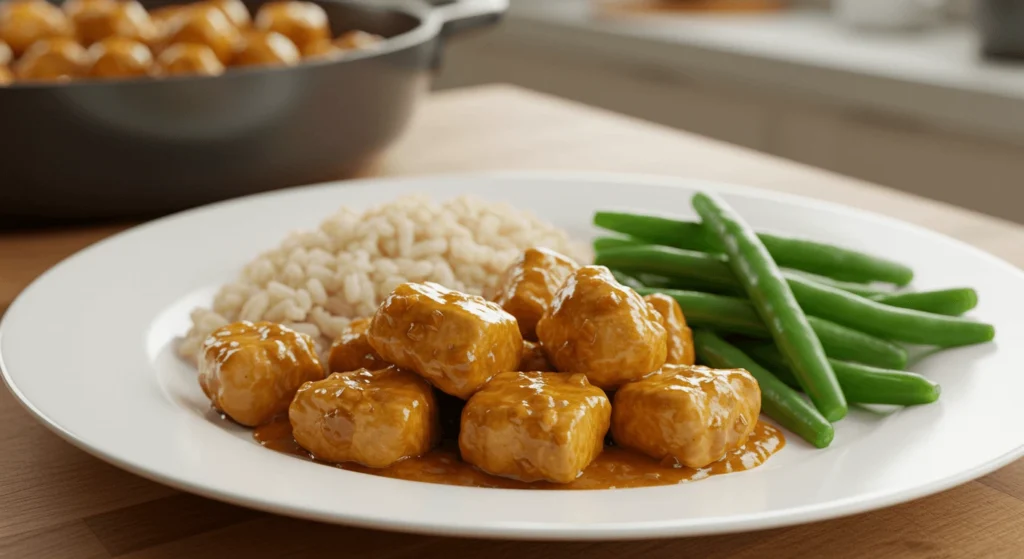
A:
{"x":614,"y":468}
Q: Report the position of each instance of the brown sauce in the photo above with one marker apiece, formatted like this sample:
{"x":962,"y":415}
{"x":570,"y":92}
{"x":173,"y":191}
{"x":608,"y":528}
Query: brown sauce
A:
{"x":616,"y":467}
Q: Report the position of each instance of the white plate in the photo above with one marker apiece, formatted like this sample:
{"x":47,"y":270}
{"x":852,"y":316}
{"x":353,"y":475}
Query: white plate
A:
{"x":87,"y":349}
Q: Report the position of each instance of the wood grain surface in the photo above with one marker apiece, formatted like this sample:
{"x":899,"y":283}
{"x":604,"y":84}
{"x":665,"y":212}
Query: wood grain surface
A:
{"x":57,"y":501}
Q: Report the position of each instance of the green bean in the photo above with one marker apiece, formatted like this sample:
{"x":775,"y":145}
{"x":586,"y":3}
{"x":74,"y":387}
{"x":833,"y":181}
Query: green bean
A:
{"x":798,"y":254}
{"x":891,"y":323}
{"x":778,"y":401}
{"x":847,"y":344}
{"x":861,"y":384}
{"x":775,"y":304}
{"x":952,"y":302}
{"x":862,"y":289}
{"x":729,"y":314}
{"x":693,"y":270}
{"x":670,"y":262}
{"x":606,"y":242}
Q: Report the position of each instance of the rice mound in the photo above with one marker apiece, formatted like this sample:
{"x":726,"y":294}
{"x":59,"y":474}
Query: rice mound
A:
{"x":317,"y":281}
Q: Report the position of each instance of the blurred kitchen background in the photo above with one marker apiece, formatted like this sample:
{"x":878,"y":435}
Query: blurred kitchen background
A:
{"x":926,"y":96}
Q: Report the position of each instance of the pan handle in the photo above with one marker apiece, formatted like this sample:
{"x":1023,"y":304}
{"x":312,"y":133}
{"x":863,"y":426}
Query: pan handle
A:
{"x":463,"y":15}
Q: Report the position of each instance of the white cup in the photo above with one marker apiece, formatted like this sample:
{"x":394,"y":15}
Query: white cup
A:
{"x":888,"y":14}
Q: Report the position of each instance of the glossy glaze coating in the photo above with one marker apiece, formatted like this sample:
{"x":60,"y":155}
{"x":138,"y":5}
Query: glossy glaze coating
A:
{"x":534,"y":358}
{"x":251,"y":371}
{"x":371,"y":418}
{"x":260,"y":48}
{"x":456,"y":341}
{"x":304,"y":23}
{"x":184,"y":59}
{"x":6,"y":55}
{"x":120,"y":57}
{"x":529,"y":285}
{"x":206,"y":25}
{"x":694,"y":415}
{"x":57,"y":59}
{"x":23,"y":22}
{"x":235,"y":11}
{"x":535,"y":426}
{"x":598,"y":327}
{"x":352,"y":351}
{"x":90,"y":18}
{"x":679,"y":340}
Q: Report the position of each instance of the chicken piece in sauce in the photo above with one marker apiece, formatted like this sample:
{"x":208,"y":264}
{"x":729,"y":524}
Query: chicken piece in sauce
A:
{"x":372,"y":418}
{"x":455,"y":341}
{"x":24,"y":22}
{"x":251,"y":371}
{"x":691,"y":414}
{"x":120,"y":57}
{"x":535,"y":426}
{"x":305,"y":23}
{"x":56,"y":59}
{"x":679,"y":339}
{"x":261,"y":48}
{"x":90,"y":18}
{"x":352,"y":351}
{"x":6,"y":76}
{"x":206,"y":25}
{"x":534,"y":358}
{"x":186,"y":59}
{"x":599,"y":327}
{"x":529,"y":285}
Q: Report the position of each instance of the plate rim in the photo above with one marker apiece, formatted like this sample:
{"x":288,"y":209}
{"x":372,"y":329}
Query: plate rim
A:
{"x":526,"y":530}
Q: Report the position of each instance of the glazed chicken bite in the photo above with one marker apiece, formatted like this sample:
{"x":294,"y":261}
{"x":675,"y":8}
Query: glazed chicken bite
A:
{"x":352,"y":351}
{"x":534,"y":358}
{"x":251,"y":371}
{"x":535,"y":426}
{"x":599,"y":327}
{"x":455,"y":341}
{"x":691,"y":414}
{"x":679,"y":339}
{"x":529,"y":285}
{"x":372,"y":418}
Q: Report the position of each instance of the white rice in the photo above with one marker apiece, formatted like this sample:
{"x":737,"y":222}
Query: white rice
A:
{"x":317,"y":281}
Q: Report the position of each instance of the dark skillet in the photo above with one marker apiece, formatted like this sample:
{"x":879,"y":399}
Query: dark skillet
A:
{"x":100,"y":149}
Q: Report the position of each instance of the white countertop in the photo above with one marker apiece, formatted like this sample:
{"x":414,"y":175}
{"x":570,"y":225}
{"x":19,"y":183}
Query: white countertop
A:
{"x":935,"y":75}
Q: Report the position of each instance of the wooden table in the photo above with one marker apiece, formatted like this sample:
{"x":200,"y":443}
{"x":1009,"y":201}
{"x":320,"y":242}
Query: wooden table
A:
{"x":56,"y":501}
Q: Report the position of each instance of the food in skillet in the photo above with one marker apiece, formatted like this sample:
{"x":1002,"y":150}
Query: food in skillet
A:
{"x":252,"y":371}
{"x":188,"y":59}
{"x":282,"y":34}
{"x":120,"y":57}
{"x":23,"y":22}
{"x":56,"y":59}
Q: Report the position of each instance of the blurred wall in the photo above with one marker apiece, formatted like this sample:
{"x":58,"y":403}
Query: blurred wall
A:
{"x":974,"y":171}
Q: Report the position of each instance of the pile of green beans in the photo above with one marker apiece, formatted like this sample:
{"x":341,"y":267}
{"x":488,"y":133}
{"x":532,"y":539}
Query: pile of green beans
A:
{"x":798,"y":254}
{"x":833,"y":330}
